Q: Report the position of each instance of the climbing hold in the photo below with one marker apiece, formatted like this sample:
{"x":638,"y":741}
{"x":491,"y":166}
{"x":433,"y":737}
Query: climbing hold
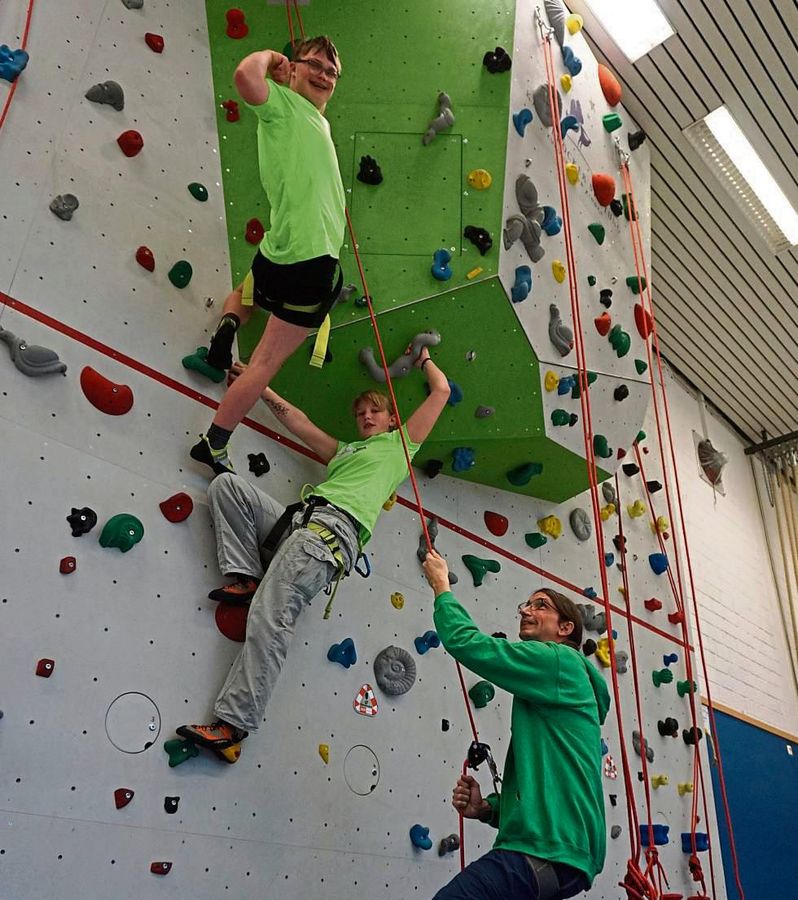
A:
{"x":535,"y":539}
{"x":110,"y":398}
{"x":64,"y":205}
{"x":528,"y":230}
{"x":629,"y":209}
{"x":480,"y":567}
{"x":403,"y":364}
{"x":177,"y":508}
{"x":701,"y":842}
{"x":615,"y":831}
{"x":428,"y":641}
{"x":551,"y":526}
{"x":684,"y":787}
{"x":154,"y":41}
{"x":448,"y":844}
{"x":560,"y":335}
{"x":12,"y":62}
{"x":419,"y":837}
{"x":568,"y":123}
{"x":123,"y":796}
{"x":616,"y":207}
{"x":550,"y":381}
{"x":82,"y":520}
{"x":552,"y":223}
{"x":566,"y":82}
{"x":636,"y":285}
{"x":542,"y":104}
{"x":608,"y":492}
{"x":574,"y":23}
{"x":653,"y":486}
{"x":630,"y":469}
{"x":580,"y":523}
{"x":122,"y":531}
{"x":571,"y":61}
{"x":636,"y":509}
{"x":370,"y":172}
{"x":231,"y":110}
{"x":237,"y":27}
{"x":343,"y":653}
{"x":130,"y":142}
{"x":254,"y":231}
{"x":483,"y":412}
{"x":324,"y":753}
{"x":258,"y":464}
{"x":603,"y":324}
{"x":658,"y":562}
{"x":598,"y":231}
{"x":390,"y":502}
{"x":440,"y":264}
{"x":521,"y":475}
{"x":558,"y":271}
{"x":660,"y":781}
{"x":481,"y":694}
{"x":640,"y":365}
{"x":198,"y":362}
{"x":145,"y":258}
{"x":160,"y":868}
{"x":591,"y":280}
{"x":496,"y":61}
{"x":603,"y":188}
{"x":198,"y":191}
{"x":472,"y":273}
{"x":108,"y":93}
{"x":658,"y":831}
{"x":480,"y":179}
{"x":365,"y":703}
{"x":180,"y":273}
{"x":444,"y":119}
{"x":394,"y":671}
{"x":652,"y":605}
{"x":685,"y":687}
{"x":692,"y":735}
{"x":479,"y":237}
{"x":67,"y":565}
{"x":661,"y":676}
{"x":45,"y":668}
{"x":589,"y":648}
{"x":31,"y":359}
{"x":397,"y":600}
{"x":179,"y":750}
{"x":521,"y":119}
{"x":432,"y":467}
{"x":619,"y":543}
{"x":640,"y":745}
{"x":605,"y":297}
{"x":603,"y":652}
{"x":231,"y":620}
{"x":668,"y":728}
{"x":523,"y":284}
{"x":621,"y":392}
{"x":133,"y":4}
{"x":170,"y":805}
{"x":496,"y":523}
{"x":635,"y":139}
{"x":610,"y":86}
{"x":619,"y":340}
{"x":463,"y":458}
{"x":560,"y":417}
{"x":601,"y":447}
{"x":572,"y":174}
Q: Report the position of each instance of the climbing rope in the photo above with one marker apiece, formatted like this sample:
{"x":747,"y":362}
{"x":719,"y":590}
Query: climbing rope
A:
{"x":23,"y":45}
{"x":291,"y":21}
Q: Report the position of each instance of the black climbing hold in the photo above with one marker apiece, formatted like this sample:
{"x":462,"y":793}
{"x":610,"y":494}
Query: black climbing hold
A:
{"x":668,"y":728}
{"x":479,"y":237}
{"x":499,"y":634}
{"x":630,"y":469}
{"x":621,"y":392}
{"x":572,"y":420}
{"x":635,"y":139}
{"x":258,"y":464}
{"x":444,"y":724}
{"x":82,"y":520}
{"x":617,"y":207}
{"x":605,"y":297}
{"x":614,"y":799}
{"x":653,"y":487}
{"x":432,"y":467}
{"x":619,"y":542}
{"x":497,"y":60}
{"x":448,"y":845}
{"x":370,"y":172}
{"x":170,"y":804}
{"x":692,"y":735}
{"x":589,"y":647}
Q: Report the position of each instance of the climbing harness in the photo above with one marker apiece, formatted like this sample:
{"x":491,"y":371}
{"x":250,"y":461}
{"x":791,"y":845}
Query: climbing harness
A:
{"x":547,"y":881}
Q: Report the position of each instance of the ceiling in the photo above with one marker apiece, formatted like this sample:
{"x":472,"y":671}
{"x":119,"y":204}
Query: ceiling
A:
{"x":726,"y":307}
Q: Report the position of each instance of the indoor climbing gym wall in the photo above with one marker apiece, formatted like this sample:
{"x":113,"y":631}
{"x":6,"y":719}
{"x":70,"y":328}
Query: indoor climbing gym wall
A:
{"x":511,"y":218}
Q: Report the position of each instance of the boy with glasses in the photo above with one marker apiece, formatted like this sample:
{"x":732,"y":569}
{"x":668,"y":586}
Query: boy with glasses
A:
{"x":551,"y":839}
{"x":293,"y":274}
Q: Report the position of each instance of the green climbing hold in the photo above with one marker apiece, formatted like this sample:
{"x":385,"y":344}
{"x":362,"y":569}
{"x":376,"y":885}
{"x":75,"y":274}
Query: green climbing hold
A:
{"x":180,"y":273}
{"x":576,"y":390}
{"x":628,"y":204}
{"x":535,"y":539}
{"x":598,"y":232}
{"x":601,"y":447}
{"x":641,"y":436}
{"x":619,"y":340}
{"x":612,"y":122}
{"x":591,"y":280}
{"x":641,"y":365}
{"x":198,"y":191}
{"x":682,"y":688}
{"x":636,"y":285}
{"x":592,"y":377}
{"x":522,"y":475}
{"x":198,"y":362}
{"x":123,"y":530}
{"x":560,"y":417}
{"x":481,"y":694}
{"x":479,"y":567}
{"x":179,"y":751}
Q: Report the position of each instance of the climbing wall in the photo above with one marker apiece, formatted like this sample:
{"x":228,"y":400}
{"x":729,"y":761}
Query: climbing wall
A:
{"x":125,"y":643}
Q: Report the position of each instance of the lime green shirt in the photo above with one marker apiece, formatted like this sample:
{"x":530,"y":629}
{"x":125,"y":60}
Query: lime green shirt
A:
{"x":363,"y":474}
{"x":299,"y":172}
{"x":551,"y":804}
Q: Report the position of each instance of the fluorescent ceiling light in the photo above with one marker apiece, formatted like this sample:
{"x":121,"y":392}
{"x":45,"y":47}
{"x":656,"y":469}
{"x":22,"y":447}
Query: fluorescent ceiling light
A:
{"x":636,"y":26}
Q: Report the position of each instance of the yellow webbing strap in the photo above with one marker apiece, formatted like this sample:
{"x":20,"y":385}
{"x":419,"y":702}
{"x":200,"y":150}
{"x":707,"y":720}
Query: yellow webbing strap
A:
{"x":332,"y":542}
{"x":320,"y":347}
{"x":248,"y":290}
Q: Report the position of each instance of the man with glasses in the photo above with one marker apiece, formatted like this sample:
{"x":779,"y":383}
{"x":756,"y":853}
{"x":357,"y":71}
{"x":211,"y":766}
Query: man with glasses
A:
{"x":551,"y":839}
{"x":293,"y":274}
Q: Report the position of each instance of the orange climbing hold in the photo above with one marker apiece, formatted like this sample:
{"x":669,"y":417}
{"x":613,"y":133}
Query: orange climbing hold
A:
{"x":610,"y":86}
{"x":604,"y":188}
{"x":110,"y":398}
{"x":496,"y":523}
{"x":603,"y":323}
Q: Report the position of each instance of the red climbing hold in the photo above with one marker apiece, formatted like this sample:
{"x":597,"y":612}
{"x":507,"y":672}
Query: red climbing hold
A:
{"x":130,"y":142}
{"x":610,"y":86}
{"x":122,"y":796}
{"x":603,"y":188}
{"x":231,"y":108}
{"x":160,"y":868}
{"x":45,"y":668}
{"x":231,"y":620}
{"x":653,"y":604}
{"x":676,"y":618}
{"x":145,"y":258}
{"x":603,"y":323}
{"x":255,"y":231}
{"x":67,"y":565}
{"x":177,"y":508}
{"x":496,"y":523}
{"x":154,"y":42}
{"x":621,"y":453}
{"x":237,"y":27}
{"x":643,"y":320}
{"x":112,"y":399}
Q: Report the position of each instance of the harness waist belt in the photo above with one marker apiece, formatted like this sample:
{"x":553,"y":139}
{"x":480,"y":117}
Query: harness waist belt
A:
{"x":284,"y":522}
{"x":548,"y":883}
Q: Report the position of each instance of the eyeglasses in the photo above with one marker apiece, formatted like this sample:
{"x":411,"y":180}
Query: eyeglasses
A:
{"x":534,"y":604}
{"x":317,"y":68}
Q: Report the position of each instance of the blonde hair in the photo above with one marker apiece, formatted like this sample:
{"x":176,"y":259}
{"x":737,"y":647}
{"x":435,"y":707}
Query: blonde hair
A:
{"x":375,"y":398}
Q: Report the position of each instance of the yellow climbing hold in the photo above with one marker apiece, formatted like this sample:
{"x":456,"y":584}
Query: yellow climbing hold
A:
{"x":480,"y":179}
{"x":572,"y":172}
{"x":606,"y":511}
{"x":660,"y":781}
{"x":684,"y":787}
{"x":603,"y":652}
{"x":324,"y":752}
{"x":558,"y":271}
{"x":551,"y":526}
{"x":474,"y":272}
{"x":550,"y":381}
{"x":622,"y":591}
{"x":397,"y":600}
{"x":636,"y":509}
{"x":660,"y":526}
{"x":566,"y":82}
{"x":389,"y":503}
{"x":574,"y":23}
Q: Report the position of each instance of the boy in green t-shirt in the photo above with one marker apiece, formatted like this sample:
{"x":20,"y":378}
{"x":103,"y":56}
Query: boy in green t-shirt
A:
{"x":293,"y":274}
{"x":321,"y":541}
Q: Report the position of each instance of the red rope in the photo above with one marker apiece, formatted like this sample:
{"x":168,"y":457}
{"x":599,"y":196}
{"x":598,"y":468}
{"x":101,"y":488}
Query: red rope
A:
{"x":23,"y":45}
{"x":290,"y":24}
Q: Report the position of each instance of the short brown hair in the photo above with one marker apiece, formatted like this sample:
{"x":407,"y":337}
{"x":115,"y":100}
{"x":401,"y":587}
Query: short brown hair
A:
{"x":376,"y":398}
{"x":569,"y":612}
{"x":320,"y":44}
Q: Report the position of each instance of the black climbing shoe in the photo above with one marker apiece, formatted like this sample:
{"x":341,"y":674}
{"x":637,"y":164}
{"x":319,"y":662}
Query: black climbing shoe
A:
{"x":218,"y":460}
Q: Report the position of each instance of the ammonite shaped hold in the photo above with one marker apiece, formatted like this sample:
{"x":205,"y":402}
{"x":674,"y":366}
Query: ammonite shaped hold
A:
{"x":395,"y":670}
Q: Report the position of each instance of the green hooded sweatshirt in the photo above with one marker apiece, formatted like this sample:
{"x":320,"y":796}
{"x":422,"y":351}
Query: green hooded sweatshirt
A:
{"x":551,"y":805}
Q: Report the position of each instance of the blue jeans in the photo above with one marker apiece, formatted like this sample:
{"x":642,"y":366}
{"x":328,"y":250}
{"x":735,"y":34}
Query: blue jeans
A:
{"x":507,"y":875}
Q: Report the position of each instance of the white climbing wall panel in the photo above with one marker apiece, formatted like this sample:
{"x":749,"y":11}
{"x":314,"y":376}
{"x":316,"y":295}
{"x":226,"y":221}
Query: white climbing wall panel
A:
{"x":137,"y":626}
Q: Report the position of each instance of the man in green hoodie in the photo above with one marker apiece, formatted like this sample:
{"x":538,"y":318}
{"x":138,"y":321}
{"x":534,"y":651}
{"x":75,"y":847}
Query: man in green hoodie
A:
{"x":551,"y":839}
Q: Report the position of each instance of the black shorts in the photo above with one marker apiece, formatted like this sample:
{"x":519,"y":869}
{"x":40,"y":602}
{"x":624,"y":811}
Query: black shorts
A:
{"x":300,"y":293}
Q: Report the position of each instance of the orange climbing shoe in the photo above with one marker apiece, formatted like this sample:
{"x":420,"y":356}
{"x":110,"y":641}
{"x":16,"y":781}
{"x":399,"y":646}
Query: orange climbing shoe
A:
{"x":242,"y":590}
{"x":217,"y":736}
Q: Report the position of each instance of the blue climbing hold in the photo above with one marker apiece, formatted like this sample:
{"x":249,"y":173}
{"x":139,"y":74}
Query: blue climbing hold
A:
{"x":701,"y":842}
{"x":456,"y":393}
{"x":609,"y":559}
{"x":660,"y":834}
{"x":12,"y":62}
{"x":427,"y":641}
{"x":419,"y":837}
{"x":565,"y":385}
{"x":440,"y":264}
{"x":658,"y":563}
{"x":523,"y":284}
{"x":521,"y":120}
{"x":571,"y":61}
{"x":569,"y":123}
{"x":590,"y":592}
{"x":604,"y":748}
{"x":669,"y":658}
{"x":552,"y":223}
{"x":463,"y":458}
{"x":343,"y":653}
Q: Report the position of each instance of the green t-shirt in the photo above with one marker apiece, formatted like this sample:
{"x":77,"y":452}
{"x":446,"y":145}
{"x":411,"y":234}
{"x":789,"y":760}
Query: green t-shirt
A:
{"x":551,"y":804}
{"x":363,"y":474}
{"x":299,"y":172}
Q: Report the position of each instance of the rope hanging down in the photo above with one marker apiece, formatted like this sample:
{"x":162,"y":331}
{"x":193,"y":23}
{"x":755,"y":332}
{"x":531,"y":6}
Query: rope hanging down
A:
{"x":291,"y":21}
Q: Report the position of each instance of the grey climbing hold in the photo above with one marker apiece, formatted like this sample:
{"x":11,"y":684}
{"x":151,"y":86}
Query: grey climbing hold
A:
{"x":580,"y":524}
{"x":642,"y":746}
{"x":615,"y":831}
{"x":557,"y":16}
{"x":592,"y":620}
{"x":528,"y":231}
{"x":346,"y":293}
{"x":133,"y":4}
{"x":404,"y":363}
{"x":444,"y":119}
{"x":109,"y":93}
{"x":540,"y":98}
{"x":421,"y":552}
{"x":526,"y":195}
{"x":560,"y":335}
{"x":482,"y":412}
{"x":608,"y":492}
{"x":64,"y":205}
{"x":395,"y":671}
{"x":32,"y":359}
{"x":621,"y":661}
